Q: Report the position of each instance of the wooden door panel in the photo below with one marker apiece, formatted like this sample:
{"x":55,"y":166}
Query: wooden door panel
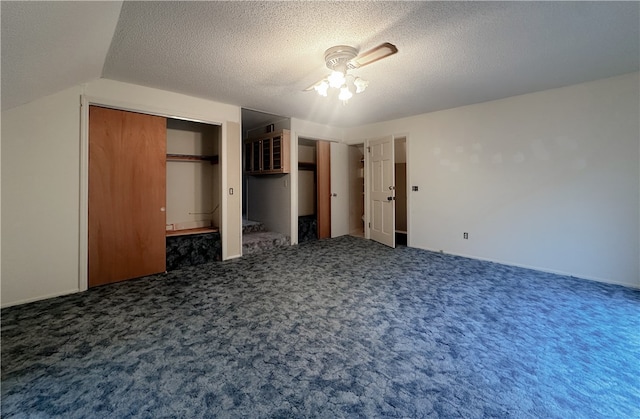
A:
{"x":339,"y":189}
{"x":127,"y":195}
{"x":382,"y":187}
{"x":323,"y":180}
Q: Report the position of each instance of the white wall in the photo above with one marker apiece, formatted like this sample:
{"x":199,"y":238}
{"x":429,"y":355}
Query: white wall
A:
{"x":231,"y":167}
{"x":40,"y":198}
{"x":548,"y":180}
{"x":269,"y":201}
{"x":41,"y":182}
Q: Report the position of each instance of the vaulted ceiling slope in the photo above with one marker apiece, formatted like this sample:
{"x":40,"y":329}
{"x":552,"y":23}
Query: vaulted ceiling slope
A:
{"x":49,"y":46}
{"x":261,"y":55}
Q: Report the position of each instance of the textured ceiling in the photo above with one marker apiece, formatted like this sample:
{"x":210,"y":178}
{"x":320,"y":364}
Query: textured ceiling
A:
{"x":50,"y":46}
{"x":261,"y":55}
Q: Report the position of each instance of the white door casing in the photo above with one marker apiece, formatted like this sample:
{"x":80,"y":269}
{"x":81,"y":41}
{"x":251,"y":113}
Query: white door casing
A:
{"x":382,"y":190}
{"x":339,"y":189}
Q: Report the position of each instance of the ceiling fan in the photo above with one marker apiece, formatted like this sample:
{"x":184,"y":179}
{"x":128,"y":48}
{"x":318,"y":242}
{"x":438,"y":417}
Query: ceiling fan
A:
{"x":340,"y":59}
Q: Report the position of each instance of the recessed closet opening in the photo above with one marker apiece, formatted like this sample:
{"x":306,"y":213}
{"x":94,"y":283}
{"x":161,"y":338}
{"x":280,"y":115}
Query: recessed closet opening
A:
{"x":153,"y":194}
{"x":266,"y":201}
{"x":400,"y":152}
{"x":356,"y":190}
{"x":193,"y":174}
{"x":193,"y":193}
{"x":307,"y":191}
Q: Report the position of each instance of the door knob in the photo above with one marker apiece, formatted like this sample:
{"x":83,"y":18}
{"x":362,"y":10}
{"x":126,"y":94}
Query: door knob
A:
{"x":162,"y":209}
{"x":334,"y":194}
{"x":391,"y":188}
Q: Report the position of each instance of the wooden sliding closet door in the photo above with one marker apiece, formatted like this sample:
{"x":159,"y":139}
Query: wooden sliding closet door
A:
{"x":127,"y":184}
{"x":323,"y":186}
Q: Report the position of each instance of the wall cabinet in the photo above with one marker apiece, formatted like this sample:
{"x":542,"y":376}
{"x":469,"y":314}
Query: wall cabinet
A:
{"x":268,"y":154}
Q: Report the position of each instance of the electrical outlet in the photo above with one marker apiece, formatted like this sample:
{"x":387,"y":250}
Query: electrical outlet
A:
{"x":465,"y":236}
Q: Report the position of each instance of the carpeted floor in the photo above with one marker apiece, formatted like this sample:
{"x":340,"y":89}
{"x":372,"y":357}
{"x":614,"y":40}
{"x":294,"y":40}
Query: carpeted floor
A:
{"x":332,"y":328}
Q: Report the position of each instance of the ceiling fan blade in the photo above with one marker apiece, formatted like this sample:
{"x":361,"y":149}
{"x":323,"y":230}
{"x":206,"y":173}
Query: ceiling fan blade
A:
{"x":315,"y":84}
{"x":373,"y":55}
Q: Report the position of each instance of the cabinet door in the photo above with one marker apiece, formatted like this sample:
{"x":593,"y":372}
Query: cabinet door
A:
{"x":247,"y":157}
{"x":127,"y":194}
{"x":267,"y":162}
{"x":277,"y":152}
{"x":255,"y":156}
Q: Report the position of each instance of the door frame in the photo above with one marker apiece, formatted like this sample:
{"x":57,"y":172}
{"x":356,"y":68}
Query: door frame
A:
{"x":367,"y":209}
{"x":85,"y":102}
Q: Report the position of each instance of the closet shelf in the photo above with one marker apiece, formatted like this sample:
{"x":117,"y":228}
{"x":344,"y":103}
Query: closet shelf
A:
{"x":192,"y":158}
{"x":303,"y":165}
{"x":190,"y":231}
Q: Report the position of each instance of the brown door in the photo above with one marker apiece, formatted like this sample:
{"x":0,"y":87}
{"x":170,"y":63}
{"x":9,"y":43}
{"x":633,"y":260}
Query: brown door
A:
{"x":127,"y":183}
{"x":323,"y":179}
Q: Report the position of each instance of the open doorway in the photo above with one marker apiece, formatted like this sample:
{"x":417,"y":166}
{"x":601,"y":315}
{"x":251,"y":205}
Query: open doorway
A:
{"x":356,"y":190}
{"x":266,"y":192}
{"x":314,"y":190}
{"x":386,"y":190}
{"x":400,"y":145}
{"x":307,"y":191}
{"x":323,"y":193}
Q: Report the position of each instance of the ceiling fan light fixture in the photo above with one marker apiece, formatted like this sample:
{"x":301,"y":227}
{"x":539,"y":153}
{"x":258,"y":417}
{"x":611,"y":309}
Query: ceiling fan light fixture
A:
{"x":322,"y":88}
{"x":345,"y":94}
{"x":337,"y":58}
{"x":336,"y":79}
{"x":360,"y":84}
{"x":342,"y":58}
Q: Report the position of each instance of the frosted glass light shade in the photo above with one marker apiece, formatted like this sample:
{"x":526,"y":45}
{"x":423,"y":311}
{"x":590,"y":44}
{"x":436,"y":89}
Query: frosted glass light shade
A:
{"x":336,"y":79}
{"x":322,"y":88}
{"x":360,"y":84}
{"x":345,"y":94}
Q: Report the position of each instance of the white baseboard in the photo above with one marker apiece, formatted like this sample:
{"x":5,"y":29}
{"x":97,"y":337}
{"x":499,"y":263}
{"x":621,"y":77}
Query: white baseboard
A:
{"x":535,"y":268}
{"x":41,"y":297}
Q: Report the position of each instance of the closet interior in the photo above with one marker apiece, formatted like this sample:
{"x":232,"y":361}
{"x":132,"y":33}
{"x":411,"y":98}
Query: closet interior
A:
{"x":154,"y":194}
{"x":356,"y":190}
{"x":307,"y":191}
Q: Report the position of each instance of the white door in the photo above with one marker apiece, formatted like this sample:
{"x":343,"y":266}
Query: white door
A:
{"x":339,"y":189}
{"x":382,"y":191}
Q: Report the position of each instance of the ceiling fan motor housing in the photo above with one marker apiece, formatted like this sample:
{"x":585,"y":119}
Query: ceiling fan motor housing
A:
{"x":339,"y":56}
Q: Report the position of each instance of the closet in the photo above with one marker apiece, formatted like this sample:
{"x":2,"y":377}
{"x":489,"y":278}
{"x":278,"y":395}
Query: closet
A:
{"x":314,"y":190}
{"x":193,"y":189}
{"x":152,"y":181}
{"x":356,"y":190}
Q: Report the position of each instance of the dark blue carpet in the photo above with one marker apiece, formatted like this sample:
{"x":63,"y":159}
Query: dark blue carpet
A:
{"x":331,"y":328}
